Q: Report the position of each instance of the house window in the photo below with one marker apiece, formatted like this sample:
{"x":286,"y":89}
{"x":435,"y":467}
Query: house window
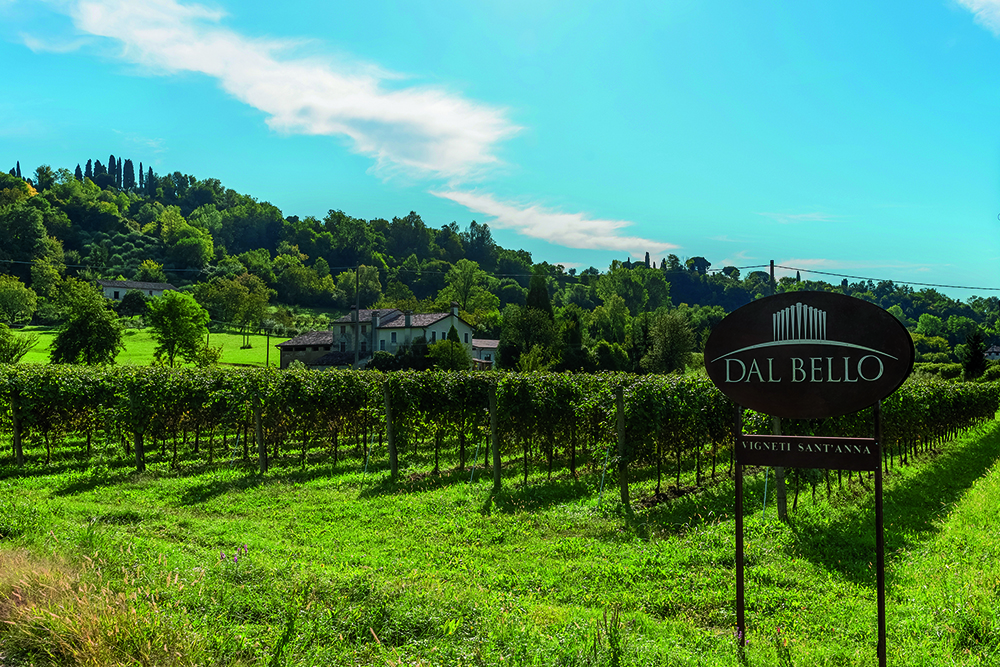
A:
{"x":488,"y":357}
{"x":434,"y":336}
{"x":343,"y":346}
{"x":467,"y":338}
{"x":150,"y":292}
{"x":326,"y":347}
{"x":364,"y":346}
{"x":343,"y":330}
{"x":381,"y":344}
{"x":364,"y":328}
{"x":393,"y":336}
{"x":116,"y":296}
{"x":315,"y":348}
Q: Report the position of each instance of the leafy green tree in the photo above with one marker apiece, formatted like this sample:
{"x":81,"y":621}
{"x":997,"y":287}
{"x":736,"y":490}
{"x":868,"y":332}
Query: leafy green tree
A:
{"x":931,"y":325}
{"x":449,"y":354}
{"x":13,"y":190}
{"x":46,"y":277}
{"x":480,"y":246}
{"x":523,"y":329}
{"x":92,"y":332}
{"x":17,"y":302}
{"x":611,"y":321}
{"x":150,"y":272}
{"x":13,"y":346}
{"x":464,"y":279}
{"x":409,"y":235}
{"x":448,"y":241}
{"x":367,"y":282}
{"x":45,"y":178}
{"x":673,"y":343}
{"x":133,"y":304}
{"x":22,"y":237}
{"x":179,"y":327}
{"x":627,"y":284}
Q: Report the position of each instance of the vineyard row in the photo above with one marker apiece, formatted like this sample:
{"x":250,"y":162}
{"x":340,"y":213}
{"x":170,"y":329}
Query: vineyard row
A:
{"x":643,"y":419}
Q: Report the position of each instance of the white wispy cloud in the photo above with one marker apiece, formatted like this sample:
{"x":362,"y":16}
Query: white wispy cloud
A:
{"x":986,"y":12}
{"x":421,"y":130}
{"x":791,"y":218}
{"x":574,"y":230}
{"x":38,"y":44}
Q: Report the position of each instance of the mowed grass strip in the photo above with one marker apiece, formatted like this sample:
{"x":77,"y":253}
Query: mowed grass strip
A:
{"x":140,"y":346}
{"x":342,"y":566}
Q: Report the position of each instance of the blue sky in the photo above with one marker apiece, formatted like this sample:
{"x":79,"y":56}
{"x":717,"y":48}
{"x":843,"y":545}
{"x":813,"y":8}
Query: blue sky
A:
{"x":854,"y":137}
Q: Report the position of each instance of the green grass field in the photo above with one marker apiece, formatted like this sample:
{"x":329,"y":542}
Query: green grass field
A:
{"x":101,"y":566}
{"x":139,"y":346}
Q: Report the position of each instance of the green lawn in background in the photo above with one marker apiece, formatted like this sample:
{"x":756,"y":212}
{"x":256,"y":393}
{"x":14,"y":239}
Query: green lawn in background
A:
{"x":139,"y":346}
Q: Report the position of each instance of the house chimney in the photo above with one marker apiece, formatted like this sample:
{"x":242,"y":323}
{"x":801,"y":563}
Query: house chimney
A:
{"x":374,"y":320}
{"x":406,"y":318}
{"x":354,"y":313}
{"x":454,"y":308}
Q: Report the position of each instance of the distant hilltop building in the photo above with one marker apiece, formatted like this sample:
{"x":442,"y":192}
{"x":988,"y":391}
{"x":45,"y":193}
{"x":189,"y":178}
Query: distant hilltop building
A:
{"x":116,"y":289}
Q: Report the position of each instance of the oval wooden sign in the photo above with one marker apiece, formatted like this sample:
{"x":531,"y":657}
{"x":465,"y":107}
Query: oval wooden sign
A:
{"x":808,"y":355}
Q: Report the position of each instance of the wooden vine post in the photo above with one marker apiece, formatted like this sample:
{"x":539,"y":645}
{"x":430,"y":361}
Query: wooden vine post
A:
{"x":622,"y":461}
{"x":389,"y":435}
{"x":780,"y":491}
{"x":259,"y":434}
{"x":18,"y":449}
{"x":494,"y":438}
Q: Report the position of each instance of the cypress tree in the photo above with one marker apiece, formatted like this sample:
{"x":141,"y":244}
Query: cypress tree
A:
{"x":142,"y":179}
{"x":128,"y":176}
{"x":150,"y":183}
{"x":89,"y":171}
{"x":538,"y":295}
{"x":113,"y":169}
{"x":13,"y":172}
{"x":99,"y":169}
{"x":78,"y":174}
{"x":18,"y":167}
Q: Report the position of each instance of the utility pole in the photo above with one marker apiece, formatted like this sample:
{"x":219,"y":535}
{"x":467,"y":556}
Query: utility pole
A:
{"x":780,"y":495}
{"x":357,"y":314}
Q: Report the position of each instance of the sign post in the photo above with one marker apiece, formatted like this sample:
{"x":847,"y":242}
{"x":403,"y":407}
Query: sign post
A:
{"x":809,"y":355}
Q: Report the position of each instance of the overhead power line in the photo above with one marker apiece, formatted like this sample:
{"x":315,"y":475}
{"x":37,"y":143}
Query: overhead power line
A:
{"x":886,"y":280}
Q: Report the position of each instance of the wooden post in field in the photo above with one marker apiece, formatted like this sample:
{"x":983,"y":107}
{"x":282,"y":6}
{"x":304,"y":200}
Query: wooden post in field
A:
{"x":622,"y":461}
{"x":18,"y":449}
{"x":494,"y":438}
{"x":390,"y":436}
{"x":140,"y":454}
{"x":259,"y":434}
{"x":780,"y":493}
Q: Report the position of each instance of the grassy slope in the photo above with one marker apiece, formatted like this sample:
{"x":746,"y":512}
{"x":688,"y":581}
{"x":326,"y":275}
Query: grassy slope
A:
{"x":442,"y":574}
{"x":139,"y":346}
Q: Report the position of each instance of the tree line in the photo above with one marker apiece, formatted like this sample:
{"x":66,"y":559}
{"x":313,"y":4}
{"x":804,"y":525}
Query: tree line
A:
{"x":114,"y":221}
